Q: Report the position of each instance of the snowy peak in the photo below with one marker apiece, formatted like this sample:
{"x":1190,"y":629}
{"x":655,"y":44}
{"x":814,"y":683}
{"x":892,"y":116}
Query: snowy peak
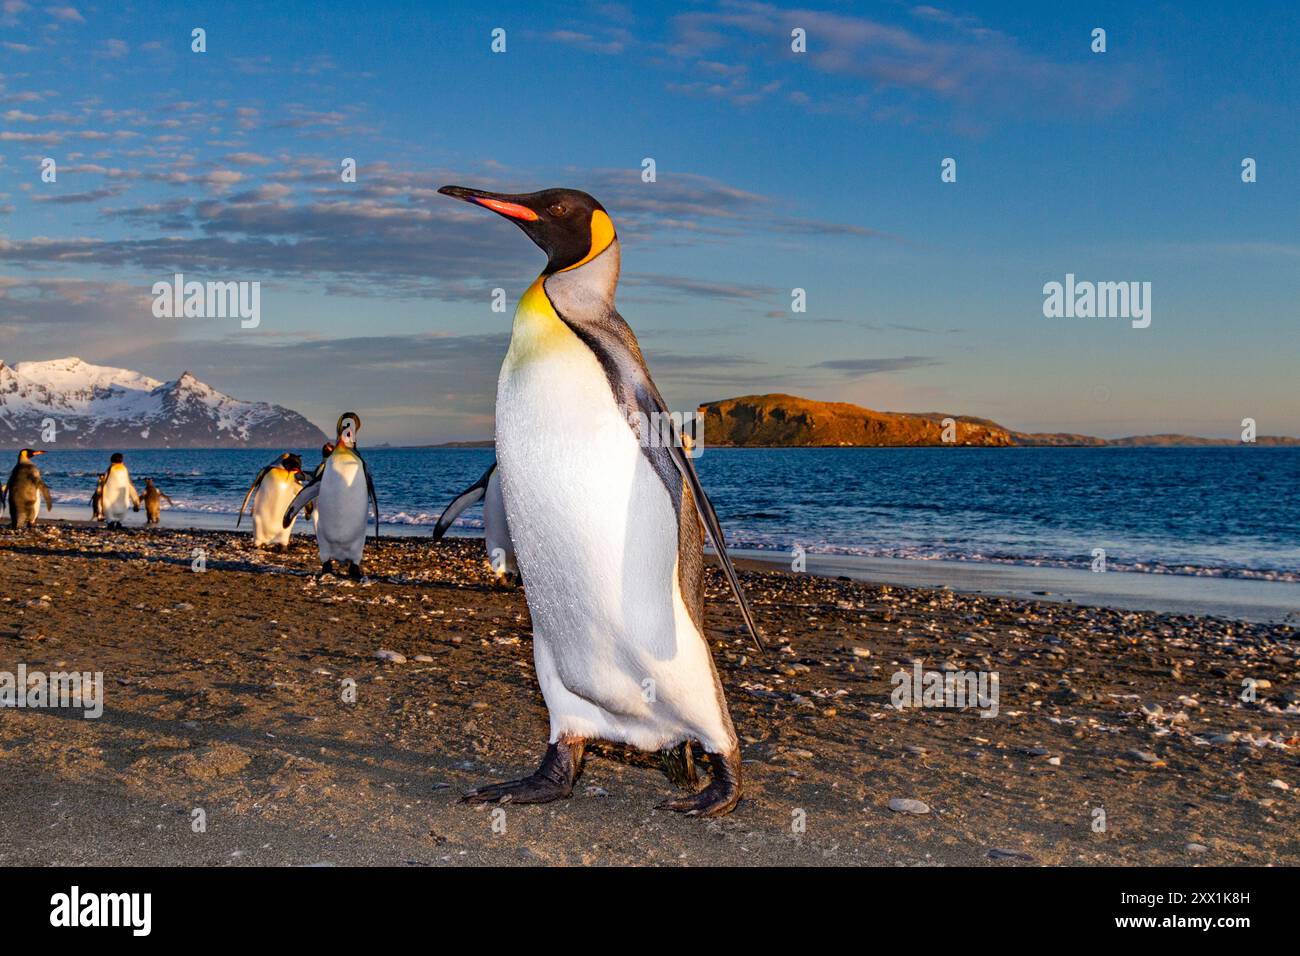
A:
{"x":97,"y":406}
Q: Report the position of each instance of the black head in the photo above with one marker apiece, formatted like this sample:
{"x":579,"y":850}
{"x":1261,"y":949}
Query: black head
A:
{"x":570,"y":226}
{"x":117,"y":458}
{"x":348,"y":425}
{"x":148,"y":482}
{"x":327,"y":449}
{"x":290,"y":462}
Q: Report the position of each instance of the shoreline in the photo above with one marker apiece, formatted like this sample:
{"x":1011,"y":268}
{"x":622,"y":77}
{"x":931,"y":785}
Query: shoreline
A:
{"x":1241,"y":598}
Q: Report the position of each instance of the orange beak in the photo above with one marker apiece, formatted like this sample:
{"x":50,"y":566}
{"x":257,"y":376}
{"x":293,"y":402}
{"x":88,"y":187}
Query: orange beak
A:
{"x":511,"y":209}
{"x":497,"y":202}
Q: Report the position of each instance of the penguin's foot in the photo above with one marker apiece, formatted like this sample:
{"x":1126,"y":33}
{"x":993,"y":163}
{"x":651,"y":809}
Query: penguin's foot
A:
{"x":327,"y":567}
{"x":719,"y":797}
{"x":553,"y":780}
{"x":354,"y":571}
{"x":679,"y":766}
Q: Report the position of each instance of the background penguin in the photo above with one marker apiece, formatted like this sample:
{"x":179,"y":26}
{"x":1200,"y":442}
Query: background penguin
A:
{"x":496,"y":531}
{"x":153,"y":499}
{"x":276,"y":484}
{"x":25,"y":490}
{"x":118,"y":492}
{"x":97,"y":499}
{"x":343,"y":490}
{"x":605,"y":519}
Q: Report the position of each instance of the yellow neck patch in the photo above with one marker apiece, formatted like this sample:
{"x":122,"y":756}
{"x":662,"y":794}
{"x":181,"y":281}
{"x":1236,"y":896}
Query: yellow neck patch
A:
{"x":538,"y":330}
{"x":602,"y":234}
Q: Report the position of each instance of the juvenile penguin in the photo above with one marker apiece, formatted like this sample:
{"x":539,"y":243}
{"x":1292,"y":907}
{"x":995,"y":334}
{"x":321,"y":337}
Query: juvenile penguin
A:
{"x":153,"y":499}
{"x":275,"y":485}
{"x":343,"y":490}
{"x":25,"y":491}
{"x":496,"y":531}
{"x":605,"y":511}
{"x":118,"y":492}
{"x":97,"y":499}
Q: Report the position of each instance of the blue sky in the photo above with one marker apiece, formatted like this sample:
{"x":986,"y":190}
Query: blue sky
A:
{"x":775,"y":170}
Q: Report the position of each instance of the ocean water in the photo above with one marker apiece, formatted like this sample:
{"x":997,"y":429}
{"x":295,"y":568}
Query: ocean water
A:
{"x":1223,"y":512}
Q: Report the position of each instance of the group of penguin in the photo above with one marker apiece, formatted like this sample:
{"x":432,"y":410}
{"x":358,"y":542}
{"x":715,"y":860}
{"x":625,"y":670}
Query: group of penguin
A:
{"x":114,"y":493}
{"x":604,"y":526}
{"x":337,"y":497}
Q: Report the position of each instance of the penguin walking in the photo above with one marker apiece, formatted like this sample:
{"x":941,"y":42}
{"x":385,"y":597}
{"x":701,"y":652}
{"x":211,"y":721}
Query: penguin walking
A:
{"x":343,"y":491}
{"x":118,"y":492}
{"x":25,"y":491}
{"x":97,"y":499}
{"x":607,"y":517}
{"x":153,"y":499}
{"x":496,"y":530}
{"x":275,"y":485}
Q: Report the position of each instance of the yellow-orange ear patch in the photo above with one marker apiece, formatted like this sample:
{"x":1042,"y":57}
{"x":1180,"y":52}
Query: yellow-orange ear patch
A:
{"x":602,"y":234}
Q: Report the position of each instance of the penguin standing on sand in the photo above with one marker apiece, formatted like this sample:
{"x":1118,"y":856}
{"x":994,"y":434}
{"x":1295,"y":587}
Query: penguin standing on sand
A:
{"x":605,"y":513}
{"x":276,"y":485}
{"x":153,"y":499}
{"x":25,"y":491}
{"x":496,"y":531}
{"x":97,"y":499}
{"x":343,"y":490}
{"x":118,"y":492}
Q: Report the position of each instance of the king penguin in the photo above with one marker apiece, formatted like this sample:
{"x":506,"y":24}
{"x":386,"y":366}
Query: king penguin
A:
{"x":496,"y":531}
{"x":343,"y":491}
{"x":153,"y":498}
{"x":607,"y":520}
{"x":276,"y":485}
{"x":25,"y":491}
{"x":97,"y":499}
{"x":118,"y":492}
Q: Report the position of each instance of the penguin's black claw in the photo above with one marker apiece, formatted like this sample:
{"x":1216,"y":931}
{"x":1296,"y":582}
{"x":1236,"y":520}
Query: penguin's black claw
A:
{"x":719,"y":797}
{"x":553,"y":780}
{"x":354,"y":571}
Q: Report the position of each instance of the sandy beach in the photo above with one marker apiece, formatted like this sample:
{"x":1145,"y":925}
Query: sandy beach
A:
{"x":1120,"y":737}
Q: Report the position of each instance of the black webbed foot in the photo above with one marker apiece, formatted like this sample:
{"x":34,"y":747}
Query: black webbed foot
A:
{"x":719,"y":797}
{"x":553,"y":780}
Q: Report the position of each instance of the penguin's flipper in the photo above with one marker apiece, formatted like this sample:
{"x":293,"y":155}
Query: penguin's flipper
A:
{"x":471,"y":495}
{"x":251,"y":488}
{"x":308,"y":493}
{"x":651,"y":403}
{"x":2,"y":495}
{"x":370,"y":490}
{"x":45,"y":493}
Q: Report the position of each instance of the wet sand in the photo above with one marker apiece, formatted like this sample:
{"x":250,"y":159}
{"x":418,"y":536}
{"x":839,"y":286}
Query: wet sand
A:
{"x":1120,"y":736}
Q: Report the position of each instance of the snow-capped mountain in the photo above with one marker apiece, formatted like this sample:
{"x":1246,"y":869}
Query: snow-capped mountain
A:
{"x":95,"y":406}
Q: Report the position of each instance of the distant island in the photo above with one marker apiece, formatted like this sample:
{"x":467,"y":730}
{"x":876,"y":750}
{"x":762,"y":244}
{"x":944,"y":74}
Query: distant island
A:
{"x":788,"y":421}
